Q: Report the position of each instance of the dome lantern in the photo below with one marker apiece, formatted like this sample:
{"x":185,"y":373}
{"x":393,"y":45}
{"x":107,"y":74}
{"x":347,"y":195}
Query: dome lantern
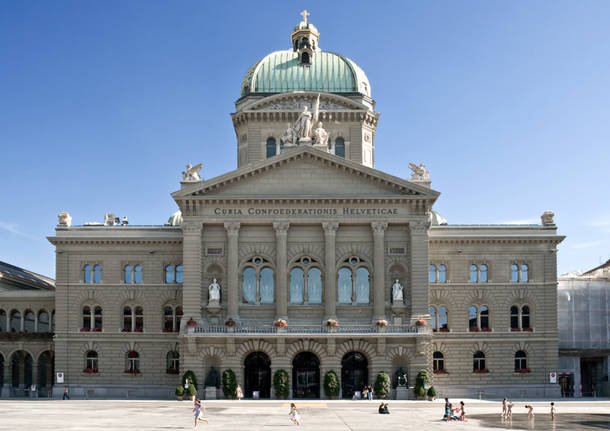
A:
{"x":305,"y":38}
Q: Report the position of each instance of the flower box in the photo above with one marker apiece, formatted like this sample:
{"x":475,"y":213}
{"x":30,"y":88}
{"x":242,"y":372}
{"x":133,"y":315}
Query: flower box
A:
{"x":515,"y":330}
{"x":138,"y":330}
{"x":84,"y":329}
{"x":444,"y":330}
{"x":331,"y":323}
{"x":126,"y":330}
{"x":280,"y":323}
{"x":485,"y":329}
{"x":191,"y":323}
{"x":132,"y":371}
{"x":230,"y":323}
{"x":381,"y":322}
{"x":528,"y":329}
{"x":90,"y":370}
{"x":171,"y":371}
{"x":522,"y":370}
{"x":473,"y":329}
{"x":483,"y":371}
{"x":421,"y":322}
{"x":440,"y":372}
{"x":96,"y":330}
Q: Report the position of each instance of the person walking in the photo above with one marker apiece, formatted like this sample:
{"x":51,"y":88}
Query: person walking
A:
{"x":294,"y":414}
{"x":66,"y":396}
{"x":553,"y":411}
{"x":239,"y":394}
{"x":370,"y":393}
{"x":504,"y":411}
{"x":509,"y":411}
{"x":197,"y":408}
{"x":462,"y":413}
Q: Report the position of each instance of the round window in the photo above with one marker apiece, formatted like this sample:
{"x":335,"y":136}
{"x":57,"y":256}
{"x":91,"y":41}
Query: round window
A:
{"x":353,"y":260}
{"x":258,"y":260}
{"x":306,"y":261}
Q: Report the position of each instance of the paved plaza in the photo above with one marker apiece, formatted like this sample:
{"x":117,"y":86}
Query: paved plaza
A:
{"x":273,"y":415}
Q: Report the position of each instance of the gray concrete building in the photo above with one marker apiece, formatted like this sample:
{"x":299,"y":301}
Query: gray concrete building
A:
{"x":584,"y":332}
{"x":307,"y":259}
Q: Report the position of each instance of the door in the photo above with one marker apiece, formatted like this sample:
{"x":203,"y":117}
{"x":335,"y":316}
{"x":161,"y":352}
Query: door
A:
{"x":354,"y":374}
{"x":306,"y":376}
{"x":257,"y":375}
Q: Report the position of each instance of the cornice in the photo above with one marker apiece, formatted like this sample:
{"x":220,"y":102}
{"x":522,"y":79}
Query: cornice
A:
{"x":114,"y":240}
{"x":498,"y":240}
{"x":369,"y":118}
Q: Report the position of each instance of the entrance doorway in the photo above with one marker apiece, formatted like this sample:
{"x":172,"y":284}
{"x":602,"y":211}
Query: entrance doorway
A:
{"x":21,"y":369}
{"x":591,"y":372}
{"x":257,"y":375}
{"x":306,"y":376}
{"x":354,"y":374}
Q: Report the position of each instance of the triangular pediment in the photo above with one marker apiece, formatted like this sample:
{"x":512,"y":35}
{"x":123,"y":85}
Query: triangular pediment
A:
{"x":307,"y":173}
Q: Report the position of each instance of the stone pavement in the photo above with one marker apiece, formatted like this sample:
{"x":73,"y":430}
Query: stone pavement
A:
{"x":273,"y":415}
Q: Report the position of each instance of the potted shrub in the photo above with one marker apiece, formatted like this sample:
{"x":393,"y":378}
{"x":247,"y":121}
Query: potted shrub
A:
{"x":190,"y":377}
{"x":421,"y":322}
{"x":422,"y":379}
{"x":229,"y":383}
{"x":280,"y":323}
{"x":281,"y":384}
{"x":382,"y":385}
{"x":381,"y":324}
{"x":331,"y":385}
{"x":192,"y":391}
{"x":190,"y":325}
{"x":230,"y":323}
{"x":420,"y":392}
{"x":179,"y":392}
{"x":431,"y":393}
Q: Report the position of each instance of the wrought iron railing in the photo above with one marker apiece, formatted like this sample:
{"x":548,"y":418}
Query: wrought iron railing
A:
{"x":303,"y":329}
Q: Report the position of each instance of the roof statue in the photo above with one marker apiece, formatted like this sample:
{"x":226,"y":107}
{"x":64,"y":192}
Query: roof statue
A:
{"x":64,"y":219}
{"x":192,"y":173}
{"x":290,"y":136}
{"x":304,"y":124}
{"x":547,"y":218}
{"x":320,"y":137}
{"x":419,"y":172}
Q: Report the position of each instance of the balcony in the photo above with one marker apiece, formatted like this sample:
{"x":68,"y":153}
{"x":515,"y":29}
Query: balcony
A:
{"x":299,"y":330}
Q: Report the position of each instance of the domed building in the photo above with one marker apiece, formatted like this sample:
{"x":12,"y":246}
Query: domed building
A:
{"x":306,"y":259}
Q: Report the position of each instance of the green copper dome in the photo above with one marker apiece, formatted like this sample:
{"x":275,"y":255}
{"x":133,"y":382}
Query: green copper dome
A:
{"x":280,"y":72}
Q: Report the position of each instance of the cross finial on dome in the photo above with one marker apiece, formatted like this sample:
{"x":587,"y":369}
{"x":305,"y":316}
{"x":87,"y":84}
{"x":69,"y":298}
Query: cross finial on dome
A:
{"x":305,"y":14}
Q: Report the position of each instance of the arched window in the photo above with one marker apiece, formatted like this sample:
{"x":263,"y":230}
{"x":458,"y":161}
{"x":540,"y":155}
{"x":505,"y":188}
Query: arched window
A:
{"x":3,"y":325}
{"x":442,"y":274}
{"x":521,"y":361}
{"x":43,"y":321}
{"x":179,"y":315}
{"x":127,"y":319}
{"x":484,"y":318}
{"x":438,"y":362}
{"x":168,"y":319}
{"x":271,"y":147}
{"x":87,"y":274}
{"x":432,"y":274}
{"x":433,"y":319}
{"x":514,"y":273}
{"x":97,"y":316}
{"x":305,"y":58}
{"x":472,"y":319}
{"x":478,"y":365}
{"x":314,"y":286}
{"x":133,"y":274}
{"x":179,"y":274}
{"x":173,"y":362}
{"x":97,"y":274}
{"x":297,"y":286}
{"x":53,"y":321}
{"x":443,"y":319}
{"x":29,"y":321}
{"x":170,"y":274}
{"x":91,"y":362}
{"x":139,"y":319}
{"x":258,"y":282}
{"x":132,"y":362}
{"x":524,"y":273}
{"x":353,"y":282}
{"x":340,"y":147}
{"x":525,"y":318}
{"x":514,"y":318}
{"x":478,"y":273}
{"x":15,"y":321}
{"x":86,"y":319}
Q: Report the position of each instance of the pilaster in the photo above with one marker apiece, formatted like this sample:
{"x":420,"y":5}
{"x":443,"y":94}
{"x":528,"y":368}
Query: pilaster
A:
{"x":330,"y":280}
{"x":191,"y":255}
{"x":419,"y":268}
{"x":281,"y":292}
{"x":232,"y":268}
{"x":378,"y":269}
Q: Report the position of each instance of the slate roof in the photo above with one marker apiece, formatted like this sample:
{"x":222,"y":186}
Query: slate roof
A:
{"x":26,"y":279}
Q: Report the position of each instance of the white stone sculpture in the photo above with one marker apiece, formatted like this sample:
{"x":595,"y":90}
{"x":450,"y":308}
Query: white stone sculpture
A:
{"x":303,"y":124}
{"x":108,"y":219}
{"x":192,"y":173}
{"x":397,"y":292}
{"x":289,"y":138}
{"x":419,"y":172}
{"x":214,"y":292}
{"x":320,"y":136}
{"x":64,"y":219}
{"x":547,"y":218}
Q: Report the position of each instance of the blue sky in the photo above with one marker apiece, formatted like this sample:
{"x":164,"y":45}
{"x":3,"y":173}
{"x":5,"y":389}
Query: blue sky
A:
{"x":103,"y":103}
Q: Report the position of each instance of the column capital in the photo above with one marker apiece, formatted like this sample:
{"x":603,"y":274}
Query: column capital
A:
{"x":330,"y":227}
{"x":281,"y":227}
{"x":232,"y":227}
{"x":379,"y":226}
{"x":191,"y":226}
{"x":419,"y":226}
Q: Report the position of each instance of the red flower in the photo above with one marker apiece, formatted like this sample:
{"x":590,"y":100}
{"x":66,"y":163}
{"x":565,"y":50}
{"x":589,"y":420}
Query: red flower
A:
{"x":84,"y":330}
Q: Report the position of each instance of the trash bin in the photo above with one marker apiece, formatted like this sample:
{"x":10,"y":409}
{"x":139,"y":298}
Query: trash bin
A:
{"x":256,"y":395}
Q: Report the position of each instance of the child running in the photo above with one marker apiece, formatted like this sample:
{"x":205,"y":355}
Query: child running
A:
{"x":198,"y":413}
{"x":504,"y":411}
{"x":294,"y":414}
{"x":553,"y":411}
{"x":509,"y":411}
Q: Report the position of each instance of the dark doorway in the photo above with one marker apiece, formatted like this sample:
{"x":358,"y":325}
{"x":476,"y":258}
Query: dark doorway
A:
{"x":1,"y":370}
{"x":21,"y":369}
{"x":45,"y":373}
{"x":566,"y":382}
{"x":258,"y":375}
{"x":354,"y":374}
{"x":306,"y":376}
{"x":591,"y":373}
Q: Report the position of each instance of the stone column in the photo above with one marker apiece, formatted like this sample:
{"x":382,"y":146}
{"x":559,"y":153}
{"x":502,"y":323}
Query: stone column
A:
{"x":191,"y":258}
{"x":5,"y":390}
{"x":378,"y":269}
{"x":232,"y":268}
{"x":281,"y":291}
{"x":330,"y":278}
{"x":419,"y":268}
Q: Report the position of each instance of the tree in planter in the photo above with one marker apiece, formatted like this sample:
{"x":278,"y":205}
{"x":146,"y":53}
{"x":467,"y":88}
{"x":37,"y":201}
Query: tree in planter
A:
{"x":420,"y":392}
{"x":192,"y":391}
{"x":382,"y":385}
{"x":422,"y":379}
{"x":281,"y":384}
{"x":192,"y":379}
{"x":331,"y":384}
{"x":431,"y":393}
{"x":179,"y":391}
{"x":229,"y":383}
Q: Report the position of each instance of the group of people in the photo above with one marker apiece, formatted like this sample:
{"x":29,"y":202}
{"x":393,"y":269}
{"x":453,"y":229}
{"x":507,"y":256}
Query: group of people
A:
{"x":451,"y":414}
{"x":507,"y":411}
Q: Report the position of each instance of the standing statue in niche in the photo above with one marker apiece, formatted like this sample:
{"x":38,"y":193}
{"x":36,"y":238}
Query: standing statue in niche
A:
{"x":214,"y":292}
{"x":401,"y":377}
{"x":320,"y":136}
{"x":212,"y":379}
{"x":397,"y":292}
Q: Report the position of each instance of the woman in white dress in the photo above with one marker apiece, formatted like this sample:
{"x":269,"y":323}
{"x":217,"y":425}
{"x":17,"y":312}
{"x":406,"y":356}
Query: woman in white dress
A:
{"x":199,"y":410}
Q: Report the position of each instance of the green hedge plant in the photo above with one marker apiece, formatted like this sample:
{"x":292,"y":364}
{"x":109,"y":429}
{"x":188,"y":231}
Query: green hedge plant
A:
{"x":281,"y":384}
{"x":191,"y":377}
{"x":382,"y":385}
{"x":229,"y":383}
{"x":331,"y":384}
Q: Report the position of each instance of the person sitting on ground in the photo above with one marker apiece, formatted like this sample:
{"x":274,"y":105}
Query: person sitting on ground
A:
{"x":383,"y":409}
